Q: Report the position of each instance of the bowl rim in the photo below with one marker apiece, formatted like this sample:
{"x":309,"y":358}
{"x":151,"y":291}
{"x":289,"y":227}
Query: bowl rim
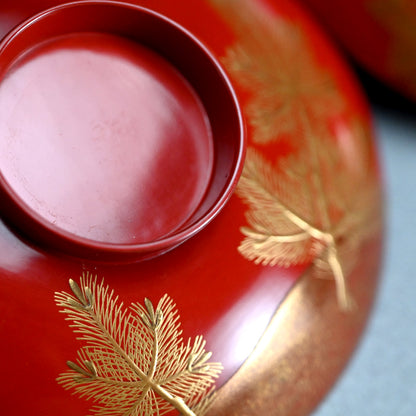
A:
{"x":31,"y":223}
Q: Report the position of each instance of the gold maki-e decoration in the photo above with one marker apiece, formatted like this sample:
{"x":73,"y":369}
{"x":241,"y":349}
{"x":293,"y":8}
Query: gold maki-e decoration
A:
{"x":273,"y":61}
{"x":314,"y":203}
{"x":289,"y":225}
{"x":134,"y":360}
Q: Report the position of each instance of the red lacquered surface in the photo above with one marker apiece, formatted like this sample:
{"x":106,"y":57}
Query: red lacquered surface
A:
{"x":379,"y":34}
{"x":132,"y":122}
{"x":217,"y":292}
{"x":221,"y":293}
{"x":114,"y":128}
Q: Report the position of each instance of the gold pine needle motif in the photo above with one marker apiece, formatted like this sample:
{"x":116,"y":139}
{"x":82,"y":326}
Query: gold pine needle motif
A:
{"x":285,"y":229}
{"x":134,"y":361}
{"x":275,"y":63}
{"x":319,"y":204}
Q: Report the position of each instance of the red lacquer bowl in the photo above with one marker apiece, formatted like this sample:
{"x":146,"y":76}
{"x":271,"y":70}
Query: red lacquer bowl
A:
{"x":124,"y":135}
{"x":380,"y":34}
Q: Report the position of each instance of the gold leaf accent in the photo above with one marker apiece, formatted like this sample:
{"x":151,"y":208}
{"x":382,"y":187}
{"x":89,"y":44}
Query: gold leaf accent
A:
{"x":317,"y":204}
{"x":134,"y":361}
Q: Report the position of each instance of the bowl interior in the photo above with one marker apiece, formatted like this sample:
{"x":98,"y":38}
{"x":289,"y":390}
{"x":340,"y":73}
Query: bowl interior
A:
{"x":121,"y":135}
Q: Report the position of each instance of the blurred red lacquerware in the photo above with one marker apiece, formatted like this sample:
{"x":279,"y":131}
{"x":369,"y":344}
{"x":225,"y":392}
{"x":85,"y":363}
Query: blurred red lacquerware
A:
{"x":379,"y":34}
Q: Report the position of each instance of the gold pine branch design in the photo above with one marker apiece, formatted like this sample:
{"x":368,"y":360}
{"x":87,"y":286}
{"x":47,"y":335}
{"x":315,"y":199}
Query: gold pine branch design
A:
{"x":284,"y":229}
{"x":399,"y":18}
{"x":316,"y":205}
{"x":134,"y":361}
{"x":274,"y":61}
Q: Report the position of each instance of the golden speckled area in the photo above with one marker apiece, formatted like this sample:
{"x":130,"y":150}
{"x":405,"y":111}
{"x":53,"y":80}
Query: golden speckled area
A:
{"x":305,"y":347}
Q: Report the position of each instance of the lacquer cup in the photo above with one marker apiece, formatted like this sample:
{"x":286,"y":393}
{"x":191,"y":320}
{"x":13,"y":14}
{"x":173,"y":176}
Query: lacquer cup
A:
{"x":121,"y":134}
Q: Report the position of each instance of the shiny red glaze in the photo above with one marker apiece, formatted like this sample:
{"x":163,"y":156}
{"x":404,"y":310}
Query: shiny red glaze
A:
{"x":219,"y":293}
{"x":176,"y":142}
{"x":379,"y":34}
{"x":96,"y":116}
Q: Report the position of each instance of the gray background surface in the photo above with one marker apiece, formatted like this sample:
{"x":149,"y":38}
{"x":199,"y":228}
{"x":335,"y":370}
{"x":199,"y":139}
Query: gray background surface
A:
{"x":381,"y":377}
